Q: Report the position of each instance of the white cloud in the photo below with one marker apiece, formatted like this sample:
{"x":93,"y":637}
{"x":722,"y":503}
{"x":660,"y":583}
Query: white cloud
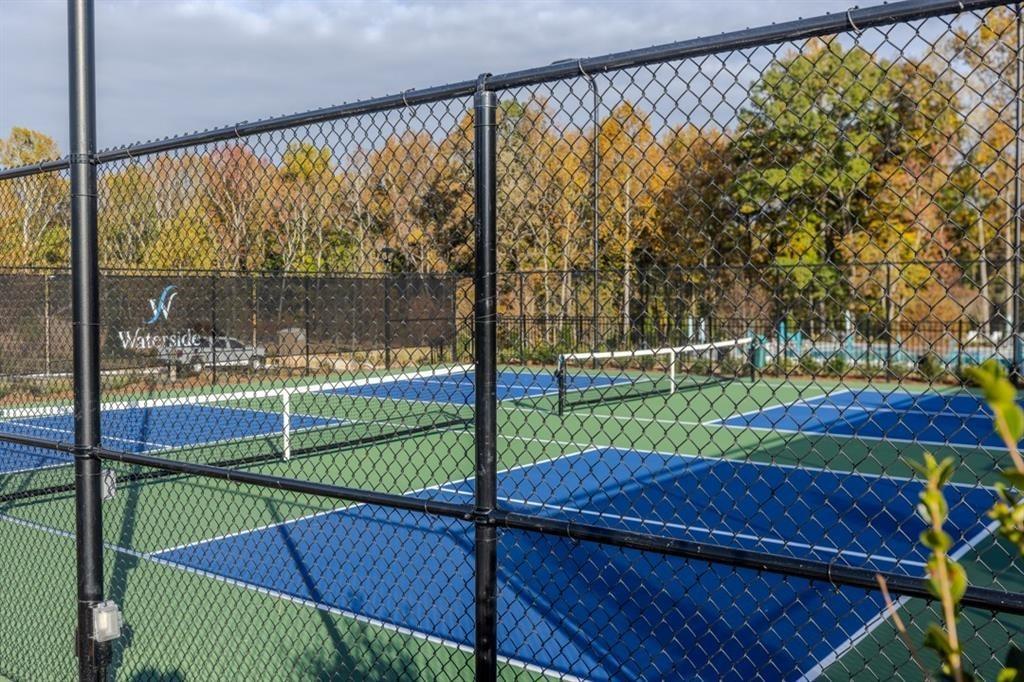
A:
{"x":180,"y":65}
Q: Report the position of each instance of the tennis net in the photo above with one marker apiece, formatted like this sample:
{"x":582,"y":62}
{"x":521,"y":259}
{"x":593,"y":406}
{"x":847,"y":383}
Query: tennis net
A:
{"x":238,"y":428}
{"x":606,"y":376}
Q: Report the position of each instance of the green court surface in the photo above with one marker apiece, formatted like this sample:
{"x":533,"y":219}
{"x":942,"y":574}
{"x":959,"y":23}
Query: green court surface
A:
{"x":190,"y":625}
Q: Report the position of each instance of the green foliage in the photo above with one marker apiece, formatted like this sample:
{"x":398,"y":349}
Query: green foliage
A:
{"x":810,"y":365}
{"x":732,"y":366}
{"x":1001,"y":396}
{"x":1008,"y":511}
{"x":837,"y":365}
{"x":931,"y":367}
{"x":947,"y":579}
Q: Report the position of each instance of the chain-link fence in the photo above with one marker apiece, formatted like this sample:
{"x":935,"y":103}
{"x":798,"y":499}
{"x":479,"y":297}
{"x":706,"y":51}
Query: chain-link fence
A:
{"x":609,"y":369}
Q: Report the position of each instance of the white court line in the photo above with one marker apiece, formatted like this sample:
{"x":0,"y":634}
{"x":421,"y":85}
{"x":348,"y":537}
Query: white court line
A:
{"x":163,"y":447}
{"x":796,"y":401}
{"x":862,"y":437}
{"x":798,"y":467}
{"x":909,"y":409}
{"x":858,"y":636}
{"x":275,"y":594}
{"x":28,"y":470}
{"x":709,"y":531}
{"x":720,"y":423}
{"x":71,"y":434}
{"x":348,"y":507}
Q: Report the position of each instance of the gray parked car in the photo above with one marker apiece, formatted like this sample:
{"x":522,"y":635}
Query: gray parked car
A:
{"x":224,"y":352}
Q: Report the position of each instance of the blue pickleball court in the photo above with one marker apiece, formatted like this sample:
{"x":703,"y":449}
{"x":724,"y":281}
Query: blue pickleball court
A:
{"x":943,"y":419}
{"x":458,"y":388}
{"x":147,"y":430}
{"x":604,"y":613}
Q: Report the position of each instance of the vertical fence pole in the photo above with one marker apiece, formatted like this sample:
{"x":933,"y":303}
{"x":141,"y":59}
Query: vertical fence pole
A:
{"x":46,"y":322}
{"x":387,"y":319}
{"x":213,"y":326}
{"x":888,"y":320}
{"x":1015,"y":270}
{"x":85,"y":322}
{"x":485,"y":648}
{"x":305,"y":322}
{"x":522,"y":319}
{"x":595,"y":177}
{"x":960,"y":349}
{"x":455,"y":318}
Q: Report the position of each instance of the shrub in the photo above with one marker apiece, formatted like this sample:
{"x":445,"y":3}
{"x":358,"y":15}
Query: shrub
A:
{"x":931,"y":367}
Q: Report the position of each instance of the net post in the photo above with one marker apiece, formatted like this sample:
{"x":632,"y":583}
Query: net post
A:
{"x":486,"y":413}
{"x":560,"y":381}
{"x":672,"y":359}
{"x":92,"y":655}
{"x":286,"y":423}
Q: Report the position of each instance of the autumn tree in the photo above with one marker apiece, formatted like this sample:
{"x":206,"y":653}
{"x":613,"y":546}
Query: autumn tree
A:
{"x":34,"y":226}
{"x":632,"y":177}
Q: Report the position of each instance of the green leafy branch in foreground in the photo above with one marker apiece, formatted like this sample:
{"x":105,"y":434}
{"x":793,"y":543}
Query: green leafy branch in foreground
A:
{"x":947,"y":579}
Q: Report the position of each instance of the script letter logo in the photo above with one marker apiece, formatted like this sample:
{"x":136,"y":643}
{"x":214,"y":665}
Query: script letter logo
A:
{"x":162,"y":306}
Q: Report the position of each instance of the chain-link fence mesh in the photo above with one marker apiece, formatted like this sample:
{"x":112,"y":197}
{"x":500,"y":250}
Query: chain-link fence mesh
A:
{"x":738,"y":284}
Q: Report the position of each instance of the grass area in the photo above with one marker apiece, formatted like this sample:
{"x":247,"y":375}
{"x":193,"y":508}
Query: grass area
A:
{"x":185,"y":624}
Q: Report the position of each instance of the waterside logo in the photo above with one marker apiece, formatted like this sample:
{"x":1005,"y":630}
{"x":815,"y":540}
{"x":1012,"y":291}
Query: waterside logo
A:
{"x":162,"y":306}
{"x":138,"y":339}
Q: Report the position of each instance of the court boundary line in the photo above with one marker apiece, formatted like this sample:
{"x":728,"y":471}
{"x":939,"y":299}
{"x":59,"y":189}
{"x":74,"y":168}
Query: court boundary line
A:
{"x":854,"y":640}
{"x":58,"y":464}
{"x":806,"y":467}
{"x":787,"y":404}
{"x":300,"y":601}
{"x":719,"y":423}
{"x":709,"y":531}
{"x":228,"y":395}
{"x":340,"y":509}
{"x":71,"y":434}
{"x":864,"y":408}
{"x":164,"y":448}
{"x":878,"y":439}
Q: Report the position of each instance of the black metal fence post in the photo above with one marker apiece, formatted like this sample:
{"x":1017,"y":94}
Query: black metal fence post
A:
{"x":486,"y":286}
{"x":455,"y":318}
{"x":213,"y":327}
{"x":888,"y":320}
{"x":305,"y":323}
{"x":387,"y":319}
{"x":960,"y":349}
{"x":1016,"y":246}
{"x":85,"y":322}
{"x":522,"y":318}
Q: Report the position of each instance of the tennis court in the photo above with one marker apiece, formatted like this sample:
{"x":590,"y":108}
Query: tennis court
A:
{"x":942,"y":419}
{"x":870,"y":521}
{"x":412,"y":575}
{"x":202,"y":421}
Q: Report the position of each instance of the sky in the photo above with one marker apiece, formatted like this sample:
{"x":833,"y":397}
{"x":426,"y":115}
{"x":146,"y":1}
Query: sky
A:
{"x":167,"y":67}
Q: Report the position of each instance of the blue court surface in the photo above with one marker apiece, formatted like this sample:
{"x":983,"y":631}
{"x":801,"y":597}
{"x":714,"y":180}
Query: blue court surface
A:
{"x":459,"y":387}
{"x":606,"y":613}
{"x":960,"y":419}
{"x":147,"y":429}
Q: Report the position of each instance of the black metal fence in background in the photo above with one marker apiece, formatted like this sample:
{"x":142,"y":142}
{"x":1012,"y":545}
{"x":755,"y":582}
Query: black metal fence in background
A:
{"x":300,"y":439}
{"x":154,"y":319}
